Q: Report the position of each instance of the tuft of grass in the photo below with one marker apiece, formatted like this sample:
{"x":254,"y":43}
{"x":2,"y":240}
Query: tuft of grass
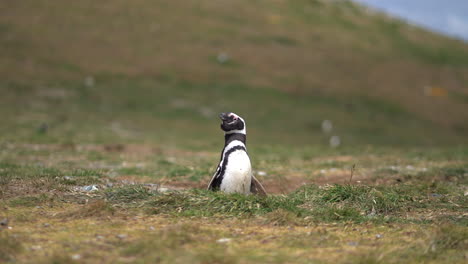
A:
{"x":368,"y":199}
{"x":128,"y":194}
{"x":310,"y":203}
{"x":207,"y":203}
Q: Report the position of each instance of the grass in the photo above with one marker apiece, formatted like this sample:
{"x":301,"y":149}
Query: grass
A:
{"x":365,"y":72}
{"x":385,"y":214}
{"x":109,"y":115}
{"x":29,"y":201}
{"x":128,"y":194}
{"x":10,"y":247}
{"x":333,"y":203}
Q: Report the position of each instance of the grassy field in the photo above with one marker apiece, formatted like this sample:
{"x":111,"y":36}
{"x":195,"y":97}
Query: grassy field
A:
{"x":398,"y":206}
{"x":123,"y":97}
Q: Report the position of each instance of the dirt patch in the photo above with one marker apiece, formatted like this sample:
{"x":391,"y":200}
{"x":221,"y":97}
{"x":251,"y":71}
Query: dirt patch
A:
{"x":283,"y":185}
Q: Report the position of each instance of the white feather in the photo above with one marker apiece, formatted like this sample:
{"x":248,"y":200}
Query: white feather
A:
{"x":238,"y":174}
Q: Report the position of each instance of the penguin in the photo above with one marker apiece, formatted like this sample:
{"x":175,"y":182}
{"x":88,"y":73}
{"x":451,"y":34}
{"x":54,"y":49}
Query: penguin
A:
{"x":234,"y":171}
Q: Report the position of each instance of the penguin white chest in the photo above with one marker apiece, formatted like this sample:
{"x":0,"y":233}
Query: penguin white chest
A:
{"x":238,"y":174}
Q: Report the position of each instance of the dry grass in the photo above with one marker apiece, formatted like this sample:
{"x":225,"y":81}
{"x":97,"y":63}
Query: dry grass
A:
{"x":175,"y":240}
{"x":386,"y":222}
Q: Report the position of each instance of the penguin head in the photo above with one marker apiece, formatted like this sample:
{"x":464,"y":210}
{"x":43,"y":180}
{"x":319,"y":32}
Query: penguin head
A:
{"x":232,"y":123}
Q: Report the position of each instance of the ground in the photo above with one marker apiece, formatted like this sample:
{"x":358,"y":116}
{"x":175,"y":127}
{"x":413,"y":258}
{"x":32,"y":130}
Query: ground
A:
{"x":397,"y":206}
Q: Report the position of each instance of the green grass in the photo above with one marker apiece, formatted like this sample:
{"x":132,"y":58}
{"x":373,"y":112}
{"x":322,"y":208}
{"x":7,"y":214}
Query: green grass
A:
{"x":134,"y":221}
{"x":334,"y":203}
{"x":128,"y":194}
{"x":67,"y":176}
{"x":110,"y":115}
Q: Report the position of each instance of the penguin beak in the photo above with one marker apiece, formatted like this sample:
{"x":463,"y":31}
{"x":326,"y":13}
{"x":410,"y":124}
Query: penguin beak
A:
{"x":224,"y":116}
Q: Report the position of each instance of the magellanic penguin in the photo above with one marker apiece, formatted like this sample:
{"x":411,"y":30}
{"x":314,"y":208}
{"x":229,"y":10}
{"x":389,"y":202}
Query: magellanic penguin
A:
{"x":234,"y":172}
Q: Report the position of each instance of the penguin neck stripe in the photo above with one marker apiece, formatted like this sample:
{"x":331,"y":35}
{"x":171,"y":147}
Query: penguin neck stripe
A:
{"x":228,"y":138}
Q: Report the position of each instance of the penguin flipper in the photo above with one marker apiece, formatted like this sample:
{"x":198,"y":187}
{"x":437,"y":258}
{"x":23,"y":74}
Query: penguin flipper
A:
{"x":215,"y":182}
{"x":257,"y":188}
{"x":210,"y":185}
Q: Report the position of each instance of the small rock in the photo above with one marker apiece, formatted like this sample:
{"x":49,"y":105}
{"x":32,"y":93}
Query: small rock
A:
{"x":152,"y":228}
{"x":46,"y":225}
{"x":223,"y":240}
{"x":98,"y":237}
{"x":373,"y":213}
{"x":327,"y":126}
{"x":261,"y":173}
{"x":122,"y":236}
{"x":222,"y":57}
{"x":4,"y":223}
{"x":89,"y":188}
{"x":89,"y":81}
{"x":152,"y":186}
{"x":163,"y":189}
{"x":68,"y":178}
{"x":36,"y":247}
{"x":76,"y":257}
{"x":378,"y":236}
{"x":335,"y":141}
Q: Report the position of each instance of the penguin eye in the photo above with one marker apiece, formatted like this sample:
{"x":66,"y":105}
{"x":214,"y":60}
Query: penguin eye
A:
{"x":233,"y":119}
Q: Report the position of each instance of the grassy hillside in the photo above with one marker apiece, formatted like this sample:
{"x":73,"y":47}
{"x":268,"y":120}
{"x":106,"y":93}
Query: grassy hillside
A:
{"x":158,"y":66}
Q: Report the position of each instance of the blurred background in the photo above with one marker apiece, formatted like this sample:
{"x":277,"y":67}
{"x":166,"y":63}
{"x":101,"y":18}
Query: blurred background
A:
{"x":302,"y":72}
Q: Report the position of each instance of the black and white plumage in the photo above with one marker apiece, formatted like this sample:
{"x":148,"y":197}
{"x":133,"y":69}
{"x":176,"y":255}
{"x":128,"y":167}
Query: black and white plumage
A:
{"x":234,"y":171}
